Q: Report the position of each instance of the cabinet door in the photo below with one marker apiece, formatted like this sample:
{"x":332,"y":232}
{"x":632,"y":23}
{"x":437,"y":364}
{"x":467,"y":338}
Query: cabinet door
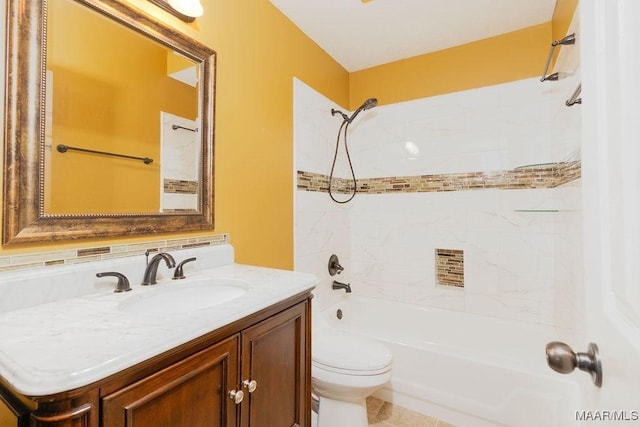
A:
{"x":275,"y":355}
{"x":193,"y":392}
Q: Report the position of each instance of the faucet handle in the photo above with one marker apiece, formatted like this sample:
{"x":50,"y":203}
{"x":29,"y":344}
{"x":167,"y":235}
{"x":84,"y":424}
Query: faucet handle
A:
{"x":179,"y":273}
{"x":123,"y":282}
{"x":334,"y":265}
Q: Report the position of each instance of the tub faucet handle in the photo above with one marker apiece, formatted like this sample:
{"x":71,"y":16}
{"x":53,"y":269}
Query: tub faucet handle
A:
{"x":334,"y":265}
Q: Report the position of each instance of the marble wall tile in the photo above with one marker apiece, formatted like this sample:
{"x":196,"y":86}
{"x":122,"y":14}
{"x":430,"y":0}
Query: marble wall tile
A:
{"x":321,"y":227}
{"x":315,"y":129}
{"x":490,"y":128}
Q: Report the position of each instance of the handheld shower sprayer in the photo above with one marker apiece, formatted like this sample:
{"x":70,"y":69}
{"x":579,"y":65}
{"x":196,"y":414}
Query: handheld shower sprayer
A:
{"x":346,"y":121}
{"x":366,"y":105}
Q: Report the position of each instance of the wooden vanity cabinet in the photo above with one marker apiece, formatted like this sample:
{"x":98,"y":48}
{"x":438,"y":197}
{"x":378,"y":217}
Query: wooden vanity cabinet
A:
{"x":254,"y":373}
{"x":202,"y":390}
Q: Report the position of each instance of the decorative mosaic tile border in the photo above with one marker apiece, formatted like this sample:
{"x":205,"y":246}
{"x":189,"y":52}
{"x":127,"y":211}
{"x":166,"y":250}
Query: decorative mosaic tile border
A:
{"x":311,"y":181}
{"x":180,"y":187}
{"x":450,"y":267}
{"x":75,"y":256}
{"x":549,"y":175}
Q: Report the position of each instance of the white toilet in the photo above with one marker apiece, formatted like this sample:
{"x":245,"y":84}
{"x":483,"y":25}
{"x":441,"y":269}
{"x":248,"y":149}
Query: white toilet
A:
{"x":346,"y":369}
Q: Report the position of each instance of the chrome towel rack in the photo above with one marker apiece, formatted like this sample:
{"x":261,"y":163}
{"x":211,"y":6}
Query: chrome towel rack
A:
{"x":64,"y":148}
{"x":574,"y":98}
{"x":568,"y":40}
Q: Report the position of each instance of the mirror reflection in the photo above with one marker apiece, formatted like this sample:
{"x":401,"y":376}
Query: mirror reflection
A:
{"x":113,"y":98}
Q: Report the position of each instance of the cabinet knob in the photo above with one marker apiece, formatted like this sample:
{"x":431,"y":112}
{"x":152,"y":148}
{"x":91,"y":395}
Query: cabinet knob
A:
{"x":237,"y":396}
{"x":250,"y":385}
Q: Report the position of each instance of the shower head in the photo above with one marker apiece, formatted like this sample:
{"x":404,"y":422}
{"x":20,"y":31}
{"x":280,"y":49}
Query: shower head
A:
{"x":367,"y":105}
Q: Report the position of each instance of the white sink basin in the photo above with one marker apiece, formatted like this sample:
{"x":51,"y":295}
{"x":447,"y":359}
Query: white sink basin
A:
{"x":183,"y":297}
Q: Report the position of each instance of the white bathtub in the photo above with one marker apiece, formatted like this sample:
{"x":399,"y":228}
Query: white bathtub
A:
{"x":469,"y":370}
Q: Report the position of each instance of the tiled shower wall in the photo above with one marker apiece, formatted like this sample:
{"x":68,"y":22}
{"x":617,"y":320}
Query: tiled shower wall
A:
{"x":520,"y":246}
{"x":321,"y":227}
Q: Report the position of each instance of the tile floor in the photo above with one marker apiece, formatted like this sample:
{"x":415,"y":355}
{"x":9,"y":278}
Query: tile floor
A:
{"x":384,"y":414}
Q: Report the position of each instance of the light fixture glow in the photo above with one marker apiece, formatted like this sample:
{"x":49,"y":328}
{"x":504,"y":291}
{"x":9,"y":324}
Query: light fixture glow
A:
{"x":191,"y":8}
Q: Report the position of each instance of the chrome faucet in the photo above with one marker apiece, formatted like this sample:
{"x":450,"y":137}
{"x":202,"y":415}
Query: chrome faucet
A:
{"x":150,"y":272}
{"x":339,"y":285}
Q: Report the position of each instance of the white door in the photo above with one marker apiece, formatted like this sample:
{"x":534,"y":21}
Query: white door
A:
{"x":610,"y":57}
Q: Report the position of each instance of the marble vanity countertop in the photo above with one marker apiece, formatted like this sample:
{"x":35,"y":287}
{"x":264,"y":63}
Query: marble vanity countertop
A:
{"x":62,"y":345}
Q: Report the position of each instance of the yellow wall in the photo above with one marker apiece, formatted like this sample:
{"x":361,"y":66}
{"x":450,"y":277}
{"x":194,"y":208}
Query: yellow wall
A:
{"x":176,"y":62}
{"x":508,"y":57}
{"x":562,"y":16}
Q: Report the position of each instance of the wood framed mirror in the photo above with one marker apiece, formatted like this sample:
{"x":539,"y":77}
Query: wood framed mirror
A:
{"x":52,"y":194}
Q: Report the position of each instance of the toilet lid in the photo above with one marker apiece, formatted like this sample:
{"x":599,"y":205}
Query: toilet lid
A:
{"x":344,"y":352}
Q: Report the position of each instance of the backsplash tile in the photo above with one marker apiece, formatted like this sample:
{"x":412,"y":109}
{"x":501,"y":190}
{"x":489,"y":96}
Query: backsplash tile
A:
{"x":93,"y":251}
{"x":52,"y":258}
{"x":27,"y":259}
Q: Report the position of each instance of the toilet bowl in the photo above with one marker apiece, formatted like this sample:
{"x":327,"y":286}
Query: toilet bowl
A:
{"x":345,"y":370}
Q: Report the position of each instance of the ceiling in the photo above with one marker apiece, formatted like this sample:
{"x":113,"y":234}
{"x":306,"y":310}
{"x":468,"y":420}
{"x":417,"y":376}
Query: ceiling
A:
{"x":361,"y":34}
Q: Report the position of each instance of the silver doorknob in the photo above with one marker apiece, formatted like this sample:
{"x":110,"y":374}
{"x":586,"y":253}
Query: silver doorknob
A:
{"x":250,"y":385}
{"x":561,"y":358}
{"x":237,"y":396}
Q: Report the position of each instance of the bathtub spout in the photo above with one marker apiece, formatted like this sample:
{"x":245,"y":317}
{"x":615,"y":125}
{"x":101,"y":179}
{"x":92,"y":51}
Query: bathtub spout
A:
{"x":339,"y":285}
